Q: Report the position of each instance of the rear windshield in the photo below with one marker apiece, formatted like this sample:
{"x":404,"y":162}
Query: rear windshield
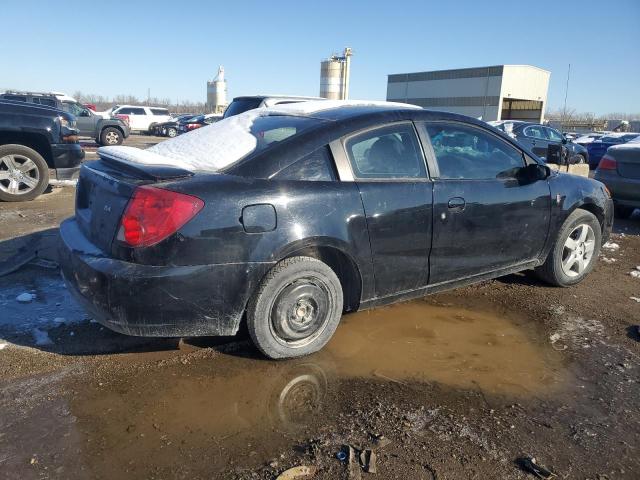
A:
{"x":241,"y":105}
{"x":224,"y":143}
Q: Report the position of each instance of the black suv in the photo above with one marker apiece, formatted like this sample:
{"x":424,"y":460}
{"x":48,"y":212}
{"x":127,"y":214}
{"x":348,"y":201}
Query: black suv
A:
{"x":37,"y":143}
{"x":105,"y":131}
{"x":537,"y":138}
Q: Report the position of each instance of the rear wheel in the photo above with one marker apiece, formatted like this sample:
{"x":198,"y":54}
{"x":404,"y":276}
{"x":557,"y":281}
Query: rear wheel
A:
{"x":111,"y":136}
{"x":24,"y":174}
{"x":297,"y":308}
{"x":575,"y":252}
{"x":171,"y":132}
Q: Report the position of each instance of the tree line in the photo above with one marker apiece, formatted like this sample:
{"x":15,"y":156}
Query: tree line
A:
{"x":104,"y":103}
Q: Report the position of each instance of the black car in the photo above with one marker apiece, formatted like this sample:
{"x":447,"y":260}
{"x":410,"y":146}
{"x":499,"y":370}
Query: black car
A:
{"x":170,"y":128}
{"x":537,"y":138}
{"x":38,"y":144}
{"x":288,"y":218}
{"x":599,"y":147}
{"x":619,"y":170}
{"x":199,"y":121}
{"x":111,"y":131}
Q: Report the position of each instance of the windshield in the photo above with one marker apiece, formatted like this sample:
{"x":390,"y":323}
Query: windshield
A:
{"x":241,"y":105}
{"x":223,"y":143}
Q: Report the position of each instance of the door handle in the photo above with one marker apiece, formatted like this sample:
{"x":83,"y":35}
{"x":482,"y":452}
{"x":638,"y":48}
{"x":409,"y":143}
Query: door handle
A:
{"x":456,"y":204}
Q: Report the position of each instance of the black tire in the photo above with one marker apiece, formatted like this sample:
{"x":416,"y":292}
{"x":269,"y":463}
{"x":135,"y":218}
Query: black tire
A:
{"x":623,"y":212}
{"x":296,"y":309}
{"x":172,"y":132}
{"x":22,"y":157}
{"x":111,"y":136}
{"x":579,"y":159}
{"x":552,"y":271}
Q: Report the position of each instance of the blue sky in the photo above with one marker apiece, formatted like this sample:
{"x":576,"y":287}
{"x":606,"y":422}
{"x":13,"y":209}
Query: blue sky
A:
{"x":173,"y":47}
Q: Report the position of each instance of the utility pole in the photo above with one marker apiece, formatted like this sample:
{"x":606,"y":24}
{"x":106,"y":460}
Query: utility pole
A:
{"x":566,"y":93}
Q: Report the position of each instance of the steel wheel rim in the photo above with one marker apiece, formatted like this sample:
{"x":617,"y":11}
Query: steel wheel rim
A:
{"x":19,"y":174}
{"x":172,"y":132}
{"x":577,"y":252}
{"x":300,"y":312}
{"x":112,"y":138}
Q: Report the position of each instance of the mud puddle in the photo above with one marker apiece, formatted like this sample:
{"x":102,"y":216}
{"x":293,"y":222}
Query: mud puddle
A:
{"x":206,"y":414}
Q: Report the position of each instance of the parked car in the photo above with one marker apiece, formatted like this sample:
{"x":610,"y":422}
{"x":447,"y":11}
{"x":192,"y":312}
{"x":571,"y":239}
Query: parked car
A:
{"x":196,"y":122}
{"x":89,"y":124}
{"x":619,"y":170}
{"x":37,"y":144}
{"x":538,"y":137}
{"x":170,"y":128}
{"x":142,"y":118}
{"x":599,"y":147}
{"x":588,"y":138}
{"x":289,"y":216}
{"x":245,"y":103}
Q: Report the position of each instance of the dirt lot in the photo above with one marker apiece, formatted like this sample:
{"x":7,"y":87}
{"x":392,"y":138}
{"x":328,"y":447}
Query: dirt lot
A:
{"x":462,"y":384}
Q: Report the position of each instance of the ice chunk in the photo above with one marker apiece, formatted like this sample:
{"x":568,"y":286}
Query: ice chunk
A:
{"x":611,"y":246}
{"x":41,"y":337}
{"x":25,"y":297}
{"x":3,"y":346}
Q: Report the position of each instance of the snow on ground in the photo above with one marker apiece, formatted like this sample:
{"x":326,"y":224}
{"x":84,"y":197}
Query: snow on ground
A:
{"x":611,"y":246}
{"x":50,"y":305}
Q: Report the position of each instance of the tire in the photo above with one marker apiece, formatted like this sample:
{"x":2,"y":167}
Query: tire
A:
{"x":585,"y":231}
{"x":579,"y":159}
{"x":111,"y":136}
{"x":172,"y":132}
{"x":296,"y":309}
{"x":24,"y":174}
{"x":623,"y":212}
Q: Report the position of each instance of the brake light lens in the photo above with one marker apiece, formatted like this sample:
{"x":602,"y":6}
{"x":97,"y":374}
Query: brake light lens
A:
{"x":607,"y":162}
{"x":155,"y":213}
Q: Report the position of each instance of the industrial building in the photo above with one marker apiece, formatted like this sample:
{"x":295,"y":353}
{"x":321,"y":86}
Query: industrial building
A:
{"x":217,"y":93}
{"x":334,"y":76}
{"x":499,"y":92}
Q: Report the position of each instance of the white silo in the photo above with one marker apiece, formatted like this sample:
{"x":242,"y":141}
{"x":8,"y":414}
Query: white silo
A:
{"x":217,"y":93}
{"x":334,"y":76}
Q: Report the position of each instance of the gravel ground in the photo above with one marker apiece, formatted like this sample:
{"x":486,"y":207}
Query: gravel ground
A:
{"x":462,"y":384}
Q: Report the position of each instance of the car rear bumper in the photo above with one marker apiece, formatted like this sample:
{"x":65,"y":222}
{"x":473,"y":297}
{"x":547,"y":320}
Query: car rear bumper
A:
{"x":67,"y":155}
{"x":146,"y":300}
{"x":624,"y":191}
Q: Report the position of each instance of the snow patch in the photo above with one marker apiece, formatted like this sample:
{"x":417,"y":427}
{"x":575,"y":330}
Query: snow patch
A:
{"x":611,"y":246}
{"x":3,"y":346}
{"x":635,"y":273}
{"x":608,"y":260}
{"x":41,"y":337}
{"x":25,"y":297}
{"x":635,"y":299}
{"x":218,"y":145}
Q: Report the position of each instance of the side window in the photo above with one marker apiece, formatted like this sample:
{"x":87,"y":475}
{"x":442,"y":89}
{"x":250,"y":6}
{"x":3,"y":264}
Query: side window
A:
{"x":535,"y":131}
{"x":72,"y":108}
{"x":464,"y":152}
{"x":45,"y":101}
{"x":160,"y":111}
{"x":317,"y":166}
{"x":137,"y":111}
{"x":18,"y":98}
{"x":553,"y":135}
{"x":388,"y":152}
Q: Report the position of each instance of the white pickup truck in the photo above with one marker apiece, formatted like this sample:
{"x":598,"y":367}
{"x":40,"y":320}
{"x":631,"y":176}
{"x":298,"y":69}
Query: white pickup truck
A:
{"x":142,"y":118}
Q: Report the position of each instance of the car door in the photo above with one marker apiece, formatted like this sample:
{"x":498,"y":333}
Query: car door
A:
{"x":138,"y":118}
{"x":387,"y":163}
{"x":85,"y":121}
{"x":536,"y":139}
{"x":486,"y":217}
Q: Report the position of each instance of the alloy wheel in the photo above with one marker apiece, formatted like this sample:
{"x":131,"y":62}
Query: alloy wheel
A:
{"x":578,"y":249}
{"x":18,"y":174}
{"x":111,"y":138}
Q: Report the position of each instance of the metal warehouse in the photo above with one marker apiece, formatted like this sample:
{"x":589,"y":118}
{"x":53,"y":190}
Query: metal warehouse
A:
{"x":499,"y":92}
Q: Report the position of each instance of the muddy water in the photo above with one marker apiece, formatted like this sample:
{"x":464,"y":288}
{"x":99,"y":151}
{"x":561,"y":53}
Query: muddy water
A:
{"x":203,"y":415}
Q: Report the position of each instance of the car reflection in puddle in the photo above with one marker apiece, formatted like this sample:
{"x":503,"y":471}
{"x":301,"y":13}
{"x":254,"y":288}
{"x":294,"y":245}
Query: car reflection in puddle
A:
{"x":215,"y":409}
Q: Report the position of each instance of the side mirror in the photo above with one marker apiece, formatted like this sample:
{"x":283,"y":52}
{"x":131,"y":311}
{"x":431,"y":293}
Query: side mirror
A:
{"x":535,"y":172}
{"x":85,"y":113}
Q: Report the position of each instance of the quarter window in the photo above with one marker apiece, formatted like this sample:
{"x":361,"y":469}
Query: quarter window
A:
{"x":535,"y":131}
{"x":464,"y":152}
{"x":317,"y":166}
{"x":388,"y":152}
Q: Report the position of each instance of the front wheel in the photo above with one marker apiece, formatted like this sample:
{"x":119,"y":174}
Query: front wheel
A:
{"x":575,"y":252}
{"x":172,"y":132}
{"x":24,"y":174}
{"x":296,"y":309}
{"x":111,"y":136}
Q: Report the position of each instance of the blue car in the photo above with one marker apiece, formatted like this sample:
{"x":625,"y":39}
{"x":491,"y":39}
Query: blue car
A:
{"x":598,"y":148}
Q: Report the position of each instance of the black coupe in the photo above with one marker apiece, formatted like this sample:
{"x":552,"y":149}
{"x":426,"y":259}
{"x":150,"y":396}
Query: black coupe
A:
{"x":286,"y":218}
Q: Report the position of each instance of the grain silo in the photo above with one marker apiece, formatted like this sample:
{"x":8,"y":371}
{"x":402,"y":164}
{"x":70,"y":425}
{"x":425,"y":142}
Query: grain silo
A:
{"x":217,"y":93}
{"x":334,"y":76}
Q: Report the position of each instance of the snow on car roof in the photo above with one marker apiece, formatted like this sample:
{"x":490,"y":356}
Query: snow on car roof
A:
{"x":216,"y":146}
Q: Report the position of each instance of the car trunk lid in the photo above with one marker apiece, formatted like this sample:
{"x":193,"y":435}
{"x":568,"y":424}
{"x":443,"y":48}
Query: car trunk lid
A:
{"x":104,"y":189}
{"x":628,"y":160}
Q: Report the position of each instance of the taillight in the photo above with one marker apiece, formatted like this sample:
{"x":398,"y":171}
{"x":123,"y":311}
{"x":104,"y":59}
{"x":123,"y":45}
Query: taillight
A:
{"x":155,"y":213}
{"x":607,"y":162}
{"x":124,"y":118}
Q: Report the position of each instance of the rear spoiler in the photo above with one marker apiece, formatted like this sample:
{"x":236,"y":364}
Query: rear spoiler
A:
{"x":119,"y":158}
